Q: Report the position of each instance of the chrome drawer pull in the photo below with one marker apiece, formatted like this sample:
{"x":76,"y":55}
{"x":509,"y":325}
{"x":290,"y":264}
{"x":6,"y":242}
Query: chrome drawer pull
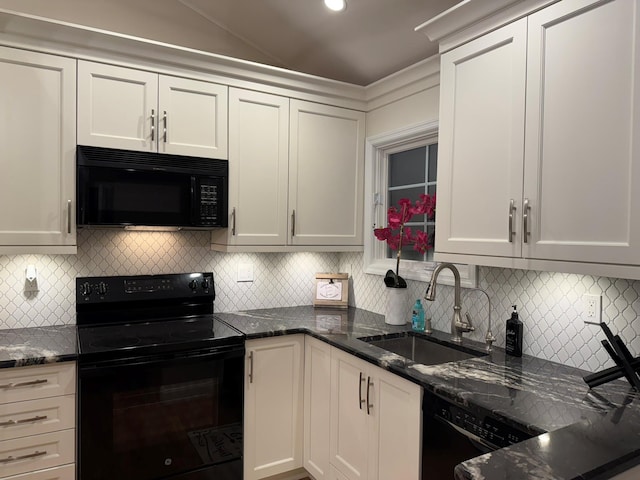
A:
{"x":525,"y":219}
{"x":369,"y":404}
{"x":37,"y":418}
{"x":512,"y":208}
{"x":23,"y":384}
{"x":22,"y":457}
{"x":251,"y":367}
{"x":165,"y":126}
{"x":361,"y":403}
{"x":153,"y":125}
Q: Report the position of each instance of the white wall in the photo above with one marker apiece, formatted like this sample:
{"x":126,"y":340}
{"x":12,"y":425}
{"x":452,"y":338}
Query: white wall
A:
{"x":412,"y":109}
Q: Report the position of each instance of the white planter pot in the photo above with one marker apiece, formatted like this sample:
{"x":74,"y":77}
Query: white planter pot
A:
{"x":398,"y":306}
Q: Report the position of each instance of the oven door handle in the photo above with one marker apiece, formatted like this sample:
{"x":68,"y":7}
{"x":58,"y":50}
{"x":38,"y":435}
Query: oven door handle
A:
{"x":474,"y":438}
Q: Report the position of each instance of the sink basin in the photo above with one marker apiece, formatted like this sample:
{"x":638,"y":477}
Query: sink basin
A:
{"x":423,"y":349}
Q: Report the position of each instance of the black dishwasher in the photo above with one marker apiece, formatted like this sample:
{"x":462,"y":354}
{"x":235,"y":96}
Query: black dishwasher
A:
{"x":452,"y":434}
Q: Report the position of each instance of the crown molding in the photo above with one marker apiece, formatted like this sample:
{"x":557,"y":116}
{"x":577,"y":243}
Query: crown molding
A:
{"x":471,"y":18}
{"x":406,"y":82}
{"x":62,"y":38}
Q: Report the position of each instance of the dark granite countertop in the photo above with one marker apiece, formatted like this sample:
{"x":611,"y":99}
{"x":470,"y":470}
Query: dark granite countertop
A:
{"x":580,"y":433}
{"x":20,"y":347}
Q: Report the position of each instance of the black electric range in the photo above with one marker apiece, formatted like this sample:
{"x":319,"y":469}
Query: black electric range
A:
{"x":160,"y":390}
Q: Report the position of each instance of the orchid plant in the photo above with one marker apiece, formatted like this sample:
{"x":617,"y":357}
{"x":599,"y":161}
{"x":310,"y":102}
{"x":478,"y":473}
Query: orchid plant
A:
{"x":397,"y":234}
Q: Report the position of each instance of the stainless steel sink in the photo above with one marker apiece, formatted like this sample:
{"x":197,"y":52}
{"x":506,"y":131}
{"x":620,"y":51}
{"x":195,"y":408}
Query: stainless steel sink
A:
{"x":423,"y":349}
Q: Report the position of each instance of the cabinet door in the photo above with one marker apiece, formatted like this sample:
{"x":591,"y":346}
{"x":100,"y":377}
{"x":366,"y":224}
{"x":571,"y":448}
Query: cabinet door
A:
{"x":397,"y":407}
{"x":326,"y":175}
{"x":582,"y":163}
{"x":317,"y":407}
{"x":192,"y":118}
{"x":258,"y":163}
{"x":481,"y":144}
{"x":117,"y":107}
{"x":273,"y":406}
{"x":350,"y":425}
{"x":37,"y":150}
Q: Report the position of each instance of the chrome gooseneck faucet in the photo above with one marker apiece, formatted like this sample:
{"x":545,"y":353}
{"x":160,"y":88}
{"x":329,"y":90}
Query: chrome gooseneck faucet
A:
{"x":458,"y":327}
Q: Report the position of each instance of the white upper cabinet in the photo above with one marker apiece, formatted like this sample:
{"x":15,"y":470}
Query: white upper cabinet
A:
{"x":569,"y":164}
{"x":481,"y":143}
{"x":37,"y":152}
{"x":296,"y":175}
{"x":193,"y":117}
{"x":326,"y":175}
{"x":582,"y":155}
{"x":258,"y":169}
{"x":137,"y":110}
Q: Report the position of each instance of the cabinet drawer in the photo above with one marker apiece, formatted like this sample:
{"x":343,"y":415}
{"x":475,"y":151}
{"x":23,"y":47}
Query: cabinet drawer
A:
{"x":33,"y":417}
{"x":66,"y":472}
{"x":38,"y":381}
{"x":27,"y":454}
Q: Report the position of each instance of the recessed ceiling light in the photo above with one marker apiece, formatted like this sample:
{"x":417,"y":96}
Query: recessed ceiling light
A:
{"x":336,"y":5}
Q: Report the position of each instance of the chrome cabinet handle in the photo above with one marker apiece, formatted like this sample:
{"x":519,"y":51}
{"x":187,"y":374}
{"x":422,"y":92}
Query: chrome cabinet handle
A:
{"x":69,"y":217}
{"x":525,"y":220}
{"x":9,"y":423}
{"x":24,"y":384}
{"x":293,"y":223}
{"x":361,"y":400}
{"x":512,"y":208}
{"x":233,"y":221}
{"x":251,"y":367}
{"x":164,"y":118}
{"x":153,"y":125}
{"x":369,"y":385}
{"x":22,"y":457}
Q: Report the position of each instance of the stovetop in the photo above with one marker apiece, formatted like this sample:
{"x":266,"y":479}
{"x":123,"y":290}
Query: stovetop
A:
{"x":154,"y":337}
{"x":145,"y":315}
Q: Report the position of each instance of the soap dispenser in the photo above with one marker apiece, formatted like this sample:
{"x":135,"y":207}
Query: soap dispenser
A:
{"x":417,"y":317}
{"x":514,"y":334}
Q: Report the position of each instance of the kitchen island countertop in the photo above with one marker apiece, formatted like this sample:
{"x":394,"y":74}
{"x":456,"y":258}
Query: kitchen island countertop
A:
{"x":579,"y":433}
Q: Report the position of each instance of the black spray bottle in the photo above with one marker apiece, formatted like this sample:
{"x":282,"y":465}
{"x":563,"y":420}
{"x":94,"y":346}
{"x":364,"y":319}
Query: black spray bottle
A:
{"x":514,"y":334}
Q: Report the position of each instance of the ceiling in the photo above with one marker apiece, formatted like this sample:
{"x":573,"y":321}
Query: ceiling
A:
{"x":368,"y":41}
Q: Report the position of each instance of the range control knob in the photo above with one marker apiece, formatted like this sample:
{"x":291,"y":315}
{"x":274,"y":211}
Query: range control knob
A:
{"x":193,"y":285}
{"x":85,"y":289}
{"x":206,"y":284}
{"x":102,"y":289}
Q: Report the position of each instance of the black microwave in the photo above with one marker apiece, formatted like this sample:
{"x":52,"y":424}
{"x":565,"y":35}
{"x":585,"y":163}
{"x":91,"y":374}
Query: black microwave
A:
{"x":125,"y":188}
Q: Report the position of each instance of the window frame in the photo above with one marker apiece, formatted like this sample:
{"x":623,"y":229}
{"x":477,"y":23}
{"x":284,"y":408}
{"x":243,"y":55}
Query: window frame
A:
{"x":377,"y":148}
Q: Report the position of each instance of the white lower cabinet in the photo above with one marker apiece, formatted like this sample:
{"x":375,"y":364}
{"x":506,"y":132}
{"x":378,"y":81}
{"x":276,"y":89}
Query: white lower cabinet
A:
{"x":37,"y":422}
{"x":375,"y":421}
{"x":273,"y":406}
{"x":317,"y":407}
{"x":360,"y":421}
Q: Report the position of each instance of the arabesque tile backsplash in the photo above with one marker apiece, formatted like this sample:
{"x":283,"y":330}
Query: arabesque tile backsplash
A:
{"x":550,"y":304}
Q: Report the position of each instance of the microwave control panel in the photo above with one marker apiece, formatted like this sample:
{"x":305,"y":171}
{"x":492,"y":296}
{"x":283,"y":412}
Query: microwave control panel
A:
{"x":209,"y":193}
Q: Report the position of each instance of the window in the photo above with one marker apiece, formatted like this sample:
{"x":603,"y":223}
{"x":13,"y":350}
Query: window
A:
{"x":411,"y":171}
{"x":403,"y":164}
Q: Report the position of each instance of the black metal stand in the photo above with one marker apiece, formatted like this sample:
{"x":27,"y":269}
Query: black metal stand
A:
{"x":626,"y":365}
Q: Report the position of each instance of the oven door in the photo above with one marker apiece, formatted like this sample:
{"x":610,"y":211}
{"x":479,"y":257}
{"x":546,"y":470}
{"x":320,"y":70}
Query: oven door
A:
{"x":174,"y":416}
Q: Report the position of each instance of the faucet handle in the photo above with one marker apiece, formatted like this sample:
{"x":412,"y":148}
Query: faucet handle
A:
{"x":468,"y":327}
